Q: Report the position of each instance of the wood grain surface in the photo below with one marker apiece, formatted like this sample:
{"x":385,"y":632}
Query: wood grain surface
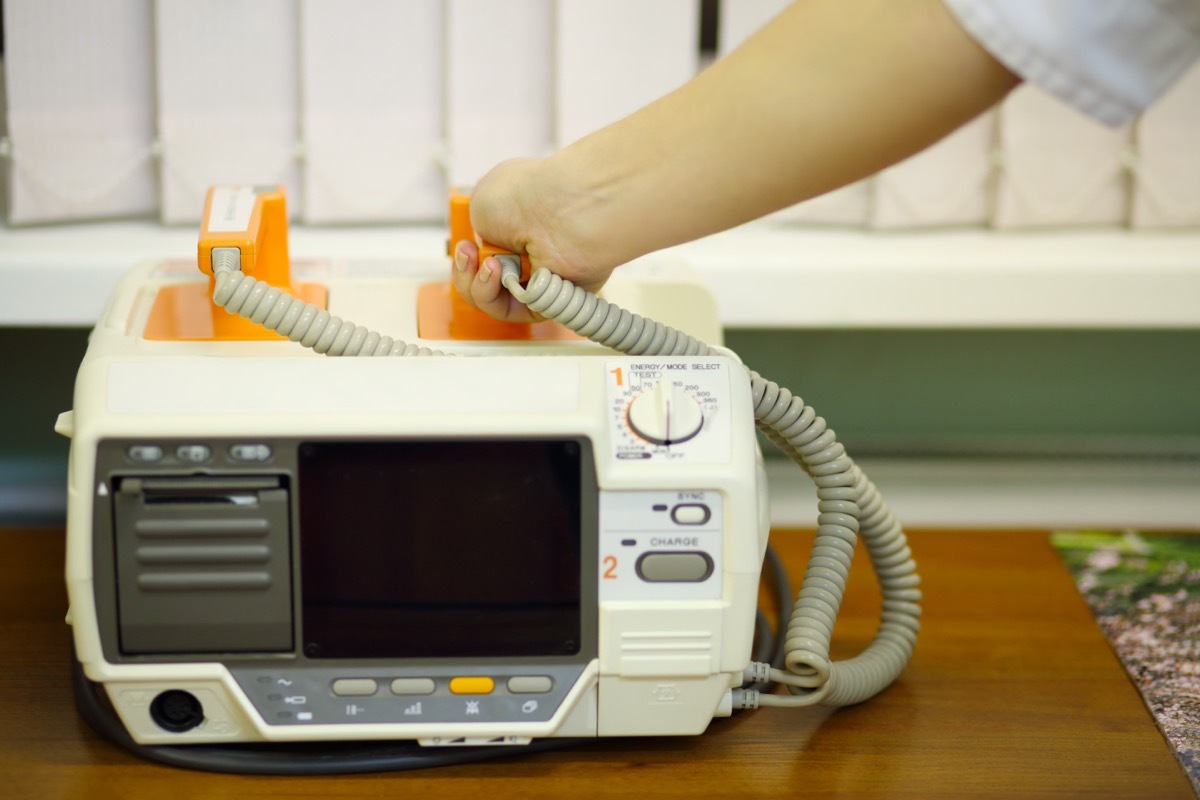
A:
{"x":1013,"y":692}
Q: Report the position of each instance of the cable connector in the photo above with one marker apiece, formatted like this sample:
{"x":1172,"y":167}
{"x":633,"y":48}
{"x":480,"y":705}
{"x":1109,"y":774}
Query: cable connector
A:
{"x":510,"y":267}
{"x":756,"y":672}
{"x":226,"y":259}
{"x":746,"y":699}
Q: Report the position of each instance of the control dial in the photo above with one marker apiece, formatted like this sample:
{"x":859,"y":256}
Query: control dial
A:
{"x":665,"y":414}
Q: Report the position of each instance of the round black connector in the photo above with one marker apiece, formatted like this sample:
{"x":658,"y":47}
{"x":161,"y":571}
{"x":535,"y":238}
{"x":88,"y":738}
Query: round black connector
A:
{"x":176,"y":711}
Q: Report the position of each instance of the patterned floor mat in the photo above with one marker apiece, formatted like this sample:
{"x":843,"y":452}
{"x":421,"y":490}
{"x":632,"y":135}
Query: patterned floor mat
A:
{"x":1145,"y":593}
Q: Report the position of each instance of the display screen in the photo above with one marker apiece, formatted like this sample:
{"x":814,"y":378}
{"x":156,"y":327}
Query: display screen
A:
{"x":440,"y":549}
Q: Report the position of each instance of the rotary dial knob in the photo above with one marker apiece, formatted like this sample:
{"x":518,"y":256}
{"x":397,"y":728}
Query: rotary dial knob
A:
{"x":665,"y":414}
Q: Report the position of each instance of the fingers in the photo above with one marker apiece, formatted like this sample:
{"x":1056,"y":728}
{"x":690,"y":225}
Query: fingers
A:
{"x":479,"y":284}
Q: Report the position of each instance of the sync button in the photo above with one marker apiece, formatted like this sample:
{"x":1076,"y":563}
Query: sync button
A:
{"x":691,"y":514}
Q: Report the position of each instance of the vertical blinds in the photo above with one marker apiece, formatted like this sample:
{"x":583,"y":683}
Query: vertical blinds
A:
{"x":368,"y":110}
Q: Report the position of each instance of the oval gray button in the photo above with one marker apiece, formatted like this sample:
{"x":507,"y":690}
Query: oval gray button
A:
{"x":691,"y":514}
{"x":530,"y":684}
{"x":413,"y":686}
{"x":687,"y":567}
{"x":354,"y":687}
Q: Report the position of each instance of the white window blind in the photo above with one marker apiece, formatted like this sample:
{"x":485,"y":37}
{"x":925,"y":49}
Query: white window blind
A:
{"x":79,"y":105}
{"x":1058,"y":167}
{"x":368,"y":110}
{"x":228,"y":98}
{"x":614,"y":56}
{"x":499,"y":84}
{"x":372,"y":75}
{"x":1167,"y":172}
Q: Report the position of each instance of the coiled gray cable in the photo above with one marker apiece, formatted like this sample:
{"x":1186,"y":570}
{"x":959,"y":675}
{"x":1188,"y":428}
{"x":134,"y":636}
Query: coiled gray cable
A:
{"x":302,"y":322}
{"x":849,"y":505}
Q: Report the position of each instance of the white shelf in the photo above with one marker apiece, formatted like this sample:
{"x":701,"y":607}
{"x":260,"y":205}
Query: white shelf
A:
{"x":763,"y":276}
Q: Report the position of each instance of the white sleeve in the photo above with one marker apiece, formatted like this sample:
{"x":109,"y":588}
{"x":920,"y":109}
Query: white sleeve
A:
{"x":1108,"y":58}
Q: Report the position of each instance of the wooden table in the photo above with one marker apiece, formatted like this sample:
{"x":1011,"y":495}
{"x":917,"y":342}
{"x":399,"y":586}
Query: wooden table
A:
{"x":1013,"y":692}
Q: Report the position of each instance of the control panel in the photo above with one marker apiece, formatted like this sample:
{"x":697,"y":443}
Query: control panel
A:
{"x":660,"y":545}
{"x":358,"y":695}
{"x":665,"y":409}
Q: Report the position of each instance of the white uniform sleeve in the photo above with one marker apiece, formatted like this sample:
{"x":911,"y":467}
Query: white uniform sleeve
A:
{"x":1109,"y":58}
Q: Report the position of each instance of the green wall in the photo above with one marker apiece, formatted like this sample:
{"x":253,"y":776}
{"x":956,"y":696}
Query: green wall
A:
{"x":923,"y":392}
{"x":1068,"y":392}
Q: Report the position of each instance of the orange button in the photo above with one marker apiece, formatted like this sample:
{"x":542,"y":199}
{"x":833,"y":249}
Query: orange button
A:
{"x":473,"y":685}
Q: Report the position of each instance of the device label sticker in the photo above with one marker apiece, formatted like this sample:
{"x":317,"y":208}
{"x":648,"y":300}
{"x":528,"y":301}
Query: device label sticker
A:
{"x":231,"y":209}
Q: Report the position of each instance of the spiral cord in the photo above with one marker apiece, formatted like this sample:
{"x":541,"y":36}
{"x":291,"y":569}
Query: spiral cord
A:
{"x":849,"y":506}
{"x":301,"y":322}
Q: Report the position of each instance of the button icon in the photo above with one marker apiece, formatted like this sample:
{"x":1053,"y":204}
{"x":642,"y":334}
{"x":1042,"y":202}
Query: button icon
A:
{"x":473,"y":707}
{"x":304,"y":716}
{"x":414,"y":710}
{"x":295,"y":700}
{"x":145,"y":453}
{"x":193,"y":453}
{"x":250,"y":452}
{"x":529,"y":706}
{"x":353,"y":710}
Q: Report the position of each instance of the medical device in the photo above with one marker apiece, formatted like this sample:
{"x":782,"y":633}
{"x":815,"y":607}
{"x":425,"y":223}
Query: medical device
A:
{"x":269,"y":544}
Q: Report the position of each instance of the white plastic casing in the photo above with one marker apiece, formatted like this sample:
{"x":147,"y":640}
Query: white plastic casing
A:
{"x":668,"y":651}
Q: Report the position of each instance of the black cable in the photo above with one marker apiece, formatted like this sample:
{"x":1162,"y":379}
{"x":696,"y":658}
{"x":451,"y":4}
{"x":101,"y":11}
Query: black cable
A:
{"x":345,"y":758}
{"x":326,"y":758}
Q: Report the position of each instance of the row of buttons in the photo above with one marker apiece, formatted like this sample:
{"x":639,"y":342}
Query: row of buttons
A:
{"x":474,"y":684}
{"x":249,"y":453}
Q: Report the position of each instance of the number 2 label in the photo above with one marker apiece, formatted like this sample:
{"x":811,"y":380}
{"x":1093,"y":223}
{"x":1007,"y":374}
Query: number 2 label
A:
{"x":610,"y":567}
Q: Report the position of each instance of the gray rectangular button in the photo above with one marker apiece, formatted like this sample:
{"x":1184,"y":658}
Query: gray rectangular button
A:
{"x":354,"y":687}
{"x":530,"y":684}
{"x":413,"y":686}
{"x":689,"y":567}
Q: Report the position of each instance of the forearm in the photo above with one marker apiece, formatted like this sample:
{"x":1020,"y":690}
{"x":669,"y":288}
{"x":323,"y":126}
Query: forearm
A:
{"x":831,"y":91}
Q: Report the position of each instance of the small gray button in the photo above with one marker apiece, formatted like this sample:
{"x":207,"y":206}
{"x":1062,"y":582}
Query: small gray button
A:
{"x":691,"y":514}
{"x":530,"y":684}
{"x":145,"y":453}
{"x":413,"y":686}
{"x":690,"y":567}
{"x":193,"y":453}
{"x":354,"y":687}
{"x":250,"y":452}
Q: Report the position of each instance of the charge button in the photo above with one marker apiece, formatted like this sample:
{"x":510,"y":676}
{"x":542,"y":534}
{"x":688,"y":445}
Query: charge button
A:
{"x":472,"y":685}
{"x":691,"y":567}
{"x":691,"y":514}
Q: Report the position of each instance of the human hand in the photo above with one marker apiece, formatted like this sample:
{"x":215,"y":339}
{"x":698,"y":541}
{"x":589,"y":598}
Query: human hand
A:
{"x":518,"y":206}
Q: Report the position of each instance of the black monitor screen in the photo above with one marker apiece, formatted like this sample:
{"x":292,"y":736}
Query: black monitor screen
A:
{"x":440,"y":549}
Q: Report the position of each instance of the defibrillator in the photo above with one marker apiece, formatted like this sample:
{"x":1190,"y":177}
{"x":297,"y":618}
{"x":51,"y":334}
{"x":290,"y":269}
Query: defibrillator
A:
{"x":325,"y":502}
